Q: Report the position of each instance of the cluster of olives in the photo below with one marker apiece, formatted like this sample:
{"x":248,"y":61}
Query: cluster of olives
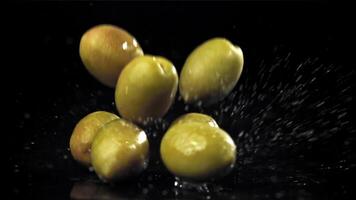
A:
{"x":194,"y":147}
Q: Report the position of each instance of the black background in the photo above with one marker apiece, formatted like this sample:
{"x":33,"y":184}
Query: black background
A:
{"x":52,"y":90}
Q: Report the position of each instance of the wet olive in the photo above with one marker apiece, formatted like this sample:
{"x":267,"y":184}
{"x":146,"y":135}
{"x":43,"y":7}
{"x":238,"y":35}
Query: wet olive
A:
{"x":197,"y":151}
{"x":84,"y":133}
{"x":211,"y":71}
{"x":146,"y":89}
{"x":105,"y":50}
{"x":195,"y":117}
{"x":120,"y":150}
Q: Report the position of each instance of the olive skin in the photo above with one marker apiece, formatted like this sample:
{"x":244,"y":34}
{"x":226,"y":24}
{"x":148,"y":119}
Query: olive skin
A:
{"x":84,"y":133}
{"x":146,"y":89}
{"x":120,"y":150}
{"x":211,"y":71}
{"x":197,"y":151}
{"x":195,"y":117}
{"x":105,"y":50}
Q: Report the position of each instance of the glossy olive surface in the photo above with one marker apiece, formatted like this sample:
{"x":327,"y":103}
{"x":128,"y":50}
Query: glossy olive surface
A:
{"x":211,"y":71}
{"x":120,"y":150}
{"x":105,"y":50}
{"x":195,"y":117}
{"x":84,"y":133}
{"x":197,"y":151}
{"x":146,"y":89}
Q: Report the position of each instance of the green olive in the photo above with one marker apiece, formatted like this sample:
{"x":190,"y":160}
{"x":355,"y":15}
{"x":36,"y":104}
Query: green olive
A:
{"x":84,"y":133}
{"x":197,"y":151}
{"x":146,"y":89}
{"x":195,"y":117}
{"x":105,"y":50}
{"x":211,"y":71}
{"x":119,"y":150}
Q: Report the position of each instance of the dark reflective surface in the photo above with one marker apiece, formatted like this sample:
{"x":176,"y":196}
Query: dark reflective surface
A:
{"x":92,"y":190}
{"x":290,"y":114}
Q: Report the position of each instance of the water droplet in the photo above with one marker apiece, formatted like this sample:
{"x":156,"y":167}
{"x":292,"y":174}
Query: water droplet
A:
{"x":280,"y":194}
{"x":27,"y":115}
{"x":186,"y":108}
{"x":145,"y":191}
{"x":164,"y":192}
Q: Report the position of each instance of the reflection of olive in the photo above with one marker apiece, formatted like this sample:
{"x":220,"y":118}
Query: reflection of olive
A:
{"x":119,"y":150}
{"x":84,"y":132}
{"x":105,"y":50}
{"x":146,"y":88}
{"x":195,"y":117}
{"x":211,"y":71}
{"x":197,"y":151}
{"x":92,"y":190}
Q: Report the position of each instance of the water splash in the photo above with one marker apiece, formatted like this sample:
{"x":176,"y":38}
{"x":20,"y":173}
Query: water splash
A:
{"x":287,"y":116}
